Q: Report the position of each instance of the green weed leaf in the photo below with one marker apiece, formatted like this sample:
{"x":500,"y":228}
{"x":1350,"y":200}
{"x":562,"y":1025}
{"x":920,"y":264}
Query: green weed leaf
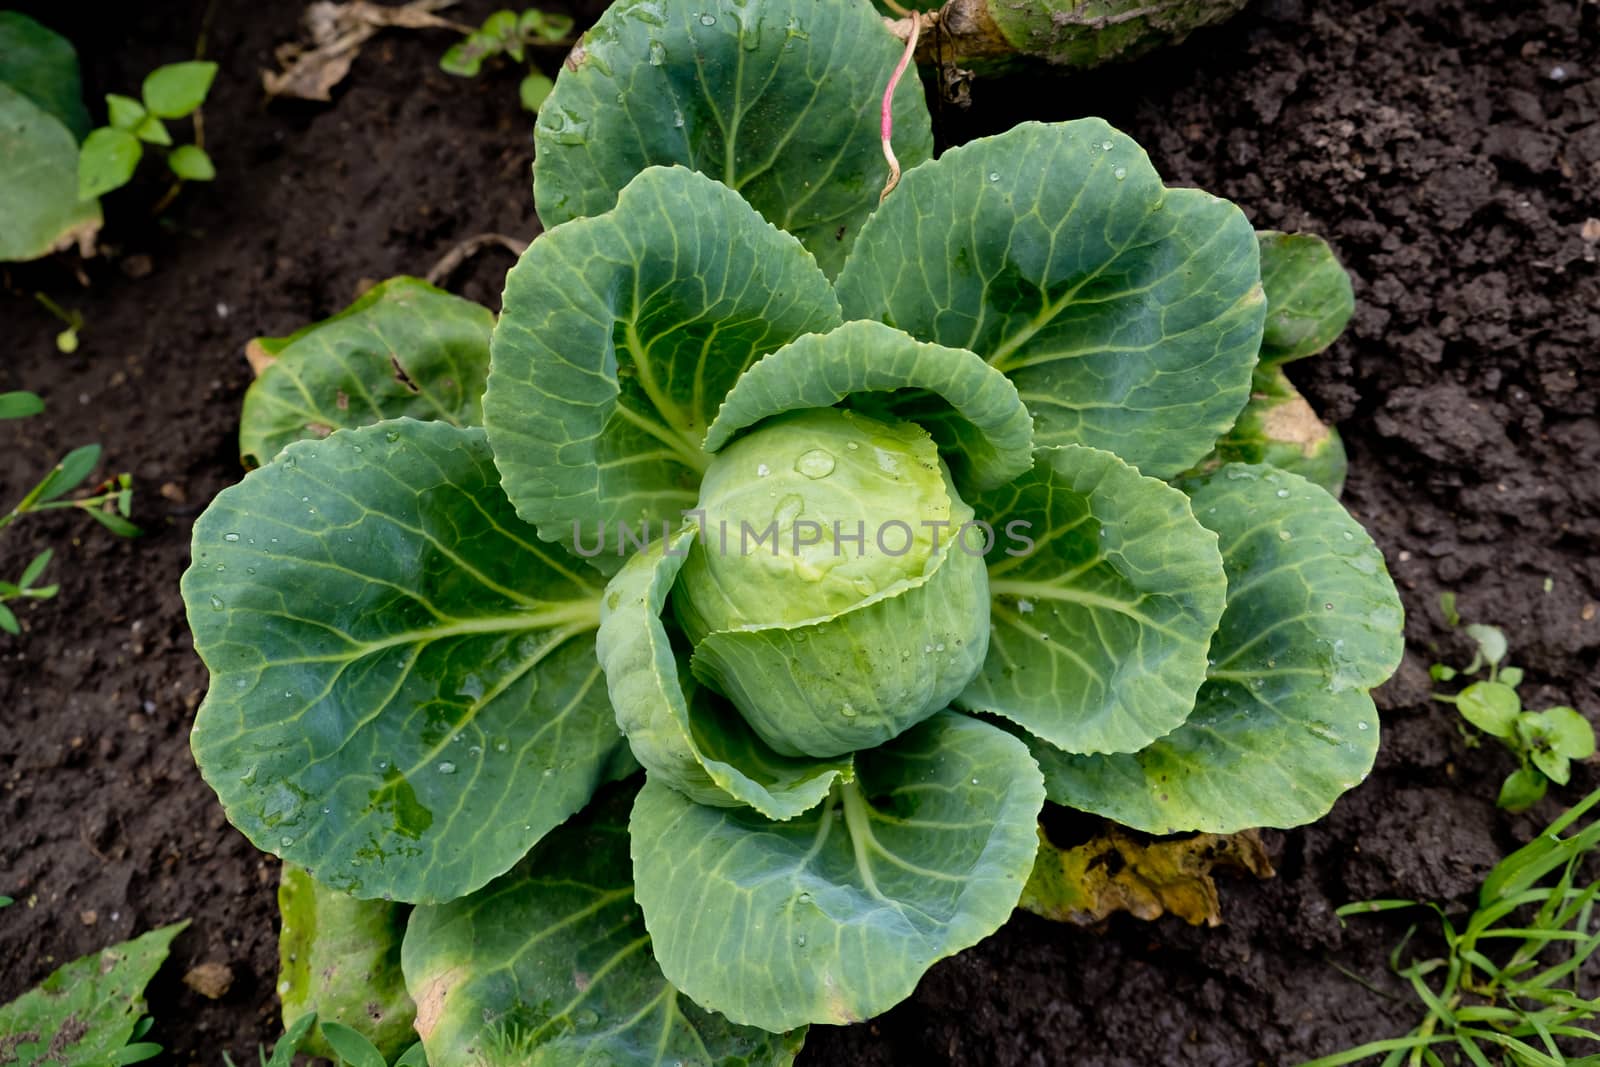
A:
{"x":1522,"y":789}
{"x":107,"y":161}
{"x":20,"y":405}
{"x":86,"y":1011}
{"x":352,"y":1047}
{"x":124,"y":112}
{"x":173,"y":91}
{"x":191,"y":163}
{"x":1491,"y":707}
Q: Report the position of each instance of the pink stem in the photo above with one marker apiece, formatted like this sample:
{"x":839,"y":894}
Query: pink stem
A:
{"x":888,"y":107}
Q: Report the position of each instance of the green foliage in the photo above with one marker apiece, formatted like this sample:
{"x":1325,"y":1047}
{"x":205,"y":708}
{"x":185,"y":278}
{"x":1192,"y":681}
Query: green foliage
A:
{"x":109,"y":505}
{"x":1309,"y":302}
{"x":112,"y":153}
{"x":1510,"y":987}
{"x":1544,"y":742}
{"x":90,"y":1012}
{"x":778,"y":100}
{"x":510,"y":34}
{"x":431,"y":643}
{"x":404,"y":348}
{"x":550,"y":964}
{"x":43,"y":66}
{"x":42,"y":118}
{"x":39,"y":160}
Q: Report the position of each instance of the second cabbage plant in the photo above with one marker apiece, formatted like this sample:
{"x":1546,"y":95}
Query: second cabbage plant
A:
{"x":861,"y":529}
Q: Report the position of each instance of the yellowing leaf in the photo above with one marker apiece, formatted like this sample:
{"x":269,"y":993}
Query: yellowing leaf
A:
{"x":1117,"y":872}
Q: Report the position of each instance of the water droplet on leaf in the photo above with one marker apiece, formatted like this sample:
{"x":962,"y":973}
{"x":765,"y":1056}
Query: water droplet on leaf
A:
{"x":817,"y":463}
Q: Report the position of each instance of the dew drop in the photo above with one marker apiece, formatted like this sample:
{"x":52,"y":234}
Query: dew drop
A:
{"x":1106,"y":145}
{"x":1025,"y":607}
{"x":974,"y":781}
{"x":762,"y":470}
{"x":1284,"y":535}
{"x":392,"y":436}
{"x":817,"y":463}
{"x":938,"y":647}
{"x":216,"y":603}
{"x":230,"y":537}
{"x":447,"y":767}
{"x":800,"y":940}
{"x":994,"y":175}
{"x":851,"y":445}
{"x":847,"y":710}
{"x":1120,"y":173}
{"x":1283,"y":493}
{"x":708,"y":20}
{"x":1327,"y":607}
{"x":285,"y":841}
{"x":1362,"y":726}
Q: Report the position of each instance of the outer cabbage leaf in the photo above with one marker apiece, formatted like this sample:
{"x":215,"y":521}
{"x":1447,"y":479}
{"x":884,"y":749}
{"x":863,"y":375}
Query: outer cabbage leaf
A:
{"x":403,"y":349}
{"x":777,"y":99}
{"x":1309,"y":298}
{"x":550,"y":966}
{"x":1284,"y":723}
{"x":984,"y":432}
{"x":39,"y":183}
{"x":834,"y":916}
{"x":1128,"y":314}
{"x":85,"y":1011}
{"x":340,"y":958}
{"x":1279,"y":427}
{"x":602,"y":386}
{"x":43,"y":66}
{"x":684,"y":734}
{"x":1100,"y":630}
{"x":404,"y":695}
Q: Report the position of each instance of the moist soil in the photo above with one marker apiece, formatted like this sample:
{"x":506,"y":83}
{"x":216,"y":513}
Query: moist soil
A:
{"x":1451,"y":153}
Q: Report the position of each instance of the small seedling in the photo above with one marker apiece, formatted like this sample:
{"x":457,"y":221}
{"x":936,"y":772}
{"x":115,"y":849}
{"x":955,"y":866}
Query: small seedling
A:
{"x":1507,"y":988}
{"x":1544,"y":742}
{"x":108,"y":505}
{"x":111,"y":153}
{"x":67,"y":339}
{"x":351,"y":1047}
{"x":508,"y":33}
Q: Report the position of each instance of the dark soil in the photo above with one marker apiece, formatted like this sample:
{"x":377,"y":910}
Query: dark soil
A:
{"x":1450,"y":151}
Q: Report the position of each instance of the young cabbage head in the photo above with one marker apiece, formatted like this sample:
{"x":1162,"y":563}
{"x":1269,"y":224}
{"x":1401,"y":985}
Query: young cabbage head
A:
{"x":832,"y":595}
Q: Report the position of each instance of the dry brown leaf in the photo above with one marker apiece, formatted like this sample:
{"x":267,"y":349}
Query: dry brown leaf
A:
{"x":1116,"y":872}
{"x":337,"y":32}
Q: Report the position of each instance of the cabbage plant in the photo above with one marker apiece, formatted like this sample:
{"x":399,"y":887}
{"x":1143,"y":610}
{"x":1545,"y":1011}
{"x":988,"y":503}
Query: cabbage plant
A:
{"x":859,"y":530}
